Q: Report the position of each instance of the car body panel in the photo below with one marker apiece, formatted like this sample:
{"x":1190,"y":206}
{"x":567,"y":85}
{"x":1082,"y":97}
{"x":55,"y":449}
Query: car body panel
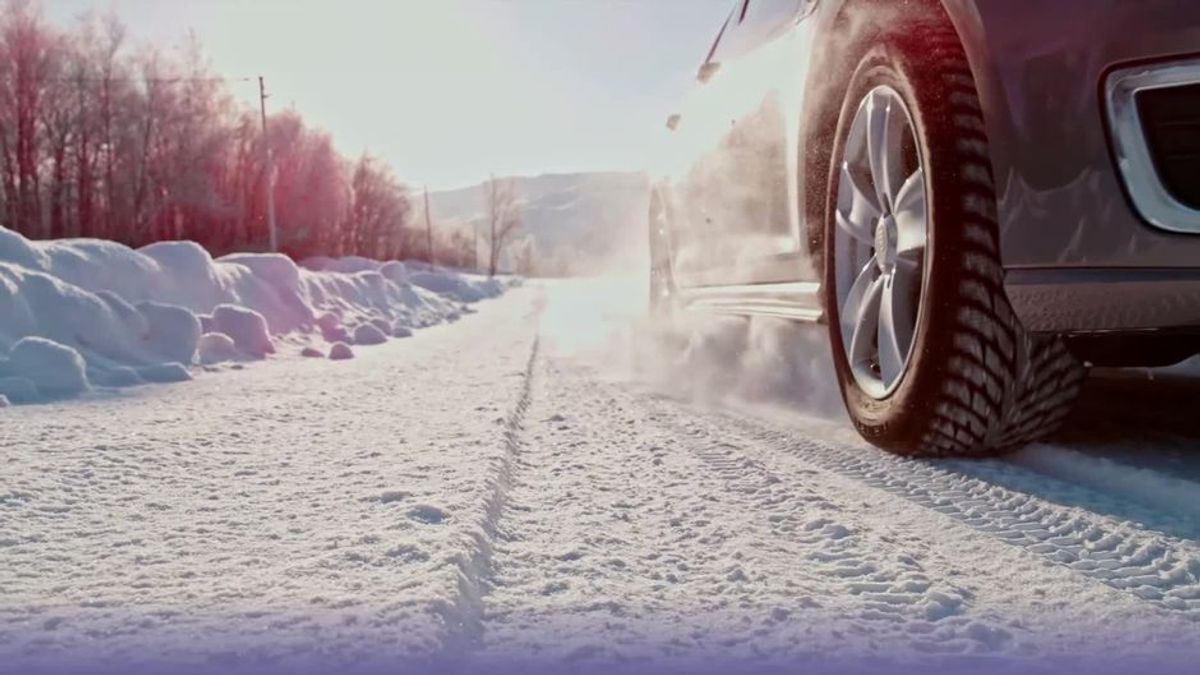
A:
{"x":1079,"y":256}
{"x":1040,"y":68}
{"x":745,"y":214}
{"x":735,"y":217}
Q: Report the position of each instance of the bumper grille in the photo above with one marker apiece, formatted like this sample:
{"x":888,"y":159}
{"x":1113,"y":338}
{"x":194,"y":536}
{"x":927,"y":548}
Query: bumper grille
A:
{"x":1171,"y":123}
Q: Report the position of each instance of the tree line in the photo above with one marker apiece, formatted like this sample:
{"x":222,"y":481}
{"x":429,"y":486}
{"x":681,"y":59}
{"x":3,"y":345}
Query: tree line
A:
{"x":102,"y":139}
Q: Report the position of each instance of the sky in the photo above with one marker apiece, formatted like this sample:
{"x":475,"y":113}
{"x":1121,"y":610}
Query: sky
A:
{"x":448,"y":91}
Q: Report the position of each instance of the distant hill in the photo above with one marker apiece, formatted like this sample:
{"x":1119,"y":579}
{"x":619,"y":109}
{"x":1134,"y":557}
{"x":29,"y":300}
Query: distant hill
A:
{"x":578,"y":223}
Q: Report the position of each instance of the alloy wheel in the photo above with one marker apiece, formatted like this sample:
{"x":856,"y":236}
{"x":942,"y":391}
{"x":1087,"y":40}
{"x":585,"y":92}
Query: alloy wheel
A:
{"x":880,"y":241}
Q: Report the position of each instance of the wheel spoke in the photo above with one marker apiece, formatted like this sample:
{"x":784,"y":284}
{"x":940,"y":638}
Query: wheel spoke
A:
{"x":856,"y":230}
{"x":907,"y":280}
{"x":852,"y":305}
{"x":879,"y":141}
{"x":895,"y":329}
{"x":858,"y":208}
{"x":911,"y":196}
{"x":866,"y":323}
{"x":911,"y":216}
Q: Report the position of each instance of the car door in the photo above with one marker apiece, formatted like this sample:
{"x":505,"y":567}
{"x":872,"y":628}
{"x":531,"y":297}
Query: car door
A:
{"x":733,"y":189}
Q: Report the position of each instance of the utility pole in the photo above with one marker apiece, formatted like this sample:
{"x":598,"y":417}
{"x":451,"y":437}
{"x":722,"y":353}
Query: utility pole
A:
{"x":493,"y":209}
{"x":269,"y":168}
{"x":475,"y":241}
{"x":428,"y":228}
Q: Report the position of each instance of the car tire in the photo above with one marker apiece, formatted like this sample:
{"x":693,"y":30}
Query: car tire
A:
{"x":973,"y":382}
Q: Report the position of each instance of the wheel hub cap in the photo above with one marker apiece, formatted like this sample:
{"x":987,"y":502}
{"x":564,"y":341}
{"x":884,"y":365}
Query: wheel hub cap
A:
{"x":885,"y":244}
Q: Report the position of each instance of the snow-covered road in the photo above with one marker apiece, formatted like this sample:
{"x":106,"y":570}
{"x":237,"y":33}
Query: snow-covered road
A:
{"x":547,"y":483}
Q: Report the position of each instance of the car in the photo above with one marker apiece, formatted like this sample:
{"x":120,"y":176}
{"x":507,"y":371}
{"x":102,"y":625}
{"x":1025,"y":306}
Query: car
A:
{"x":980,"y":199}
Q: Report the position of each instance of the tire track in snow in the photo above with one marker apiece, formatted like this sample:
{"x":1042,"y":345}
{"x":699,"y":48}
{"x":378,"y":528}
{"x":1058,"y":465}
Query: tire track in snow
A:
{"x":892,"y":592}
{"x":1151,"y":566}
{"x":465,"y":615}
{"x":629,"y":536}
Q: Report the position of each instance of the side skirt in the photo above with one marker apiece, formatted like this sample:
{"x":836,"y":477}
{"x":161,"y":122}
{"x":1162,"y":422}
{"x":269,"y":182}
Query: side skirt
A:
{"x":797,"y":301}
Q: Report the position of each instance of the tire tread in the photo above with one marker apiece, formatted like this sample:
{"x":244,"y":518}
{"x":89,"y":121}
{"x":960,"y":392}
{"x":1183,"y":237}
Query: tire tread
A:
{"x":1003,"y":387}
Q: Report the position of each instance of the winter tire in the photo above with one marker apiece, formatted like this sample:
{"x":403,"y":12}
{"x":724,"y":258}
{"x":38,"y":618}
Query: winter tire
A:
{"x":930,"y":358}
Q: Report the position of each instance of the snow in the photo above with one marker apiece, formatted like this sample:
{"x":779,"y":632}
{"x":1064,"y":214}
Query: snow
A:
{"x":1191,"y":367}
{"x":581,"y":491}
{"x":1154,"y":489}
{"x":246,"y":327}
{"x":340,"y":351}
{"x":369,"y":334}
{"x":216,"y":348}
{"x":171,"y":332}
{"x":54,"y":370}
{"x":164,"y":373}
{"x":148,"y":315}
{"x":18,"y":389}
{"x":462,"y":288}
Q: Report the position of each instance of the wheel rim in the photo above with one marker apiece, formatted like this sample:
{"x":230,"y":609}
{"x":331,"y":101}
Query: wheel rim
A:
{"x":882,"y":227}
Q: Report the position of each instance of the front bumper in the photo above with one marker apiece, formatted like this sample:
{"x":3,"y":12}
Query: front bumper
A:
{"x":1080,"y":255}
{"x":1091,"y":300}
{"x":1041,"y":68}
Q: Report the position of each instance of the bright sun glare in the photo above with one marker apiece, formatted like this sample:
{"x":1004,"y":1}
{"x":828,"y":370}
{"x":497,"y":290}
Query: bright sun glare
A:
{"x":450,"y":91}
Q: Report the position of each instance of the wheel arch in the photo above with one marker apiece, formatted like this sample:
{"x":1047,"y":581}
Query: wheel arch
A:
{"x":834,"y":58}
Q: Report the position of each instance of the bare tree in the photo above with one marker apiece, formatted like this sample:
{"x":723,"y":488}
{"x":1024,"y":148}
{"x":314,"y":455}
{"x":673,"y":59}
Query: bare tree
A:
{"x":503,"y":218}
{"x":27,"y":49}
{"x":96,"y":141}
{"x":59,"y":122}
{"x":453,"y":244}
{"x":379,"y":212}
{"x":114,"y":35}
{"x":525,"y":256}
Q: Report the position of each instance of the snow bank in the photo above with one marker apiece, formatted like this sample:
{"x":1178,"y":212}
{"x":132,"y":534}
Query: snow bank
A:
{"x":171,"y":332}
{"x":340,"y":352}
{"x":80,"y":313}
{"x":246,"y":327}
{"x":464,"y":288}
{"x":369,"y":334}
{"x":54,"y":370}
{"x":216,"y":348}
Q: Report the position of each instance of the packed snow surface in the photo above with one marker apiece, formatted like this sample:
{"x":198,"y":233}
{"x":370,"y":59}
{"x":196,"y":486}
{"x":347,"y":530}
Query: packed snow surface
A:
{"x":78,"y":314}
{"x":553,"y":484}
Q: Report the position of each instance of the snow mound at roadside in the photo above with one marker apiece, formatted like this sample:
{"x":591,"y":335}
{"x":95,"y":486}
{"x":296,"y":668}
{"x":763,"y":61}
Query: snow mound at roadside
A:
{"x":369,"y":334}
{"x":80,"y":313}
{"x":246,"y":327}
{"x":55,"y":371}
{"x":340,"y":352}
{"x":462,"y":287}
{"x":171,"y":332}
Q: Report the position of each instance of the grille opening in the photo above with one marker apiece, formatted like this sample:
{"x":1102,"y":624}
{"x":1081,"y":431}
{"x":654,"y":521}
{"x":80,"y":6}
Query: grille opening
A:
{"x":1171,"y":121}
